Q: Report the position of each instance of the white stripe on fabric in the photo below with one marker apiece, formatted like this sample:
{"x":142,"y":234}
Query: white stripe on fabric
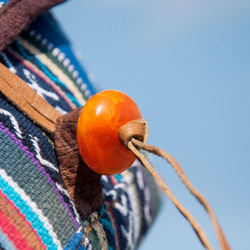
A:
{"x":32,"y":205}
{"x":13,"y":122}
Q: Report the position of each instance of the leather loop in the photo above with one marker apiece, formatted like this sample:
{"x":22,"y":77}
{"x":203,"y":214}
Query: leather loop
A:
{"x":137,"y":129}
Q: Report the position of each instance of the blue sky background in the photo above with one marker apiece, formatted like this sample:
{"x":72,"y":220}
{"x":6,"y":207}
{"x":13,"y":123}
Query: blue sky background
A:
{"x":186,"y":63}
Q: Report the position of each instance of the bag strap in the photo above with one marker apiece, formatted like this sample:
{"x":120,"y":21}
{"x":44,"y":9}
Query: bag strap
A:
{"x":27,"y":100}
{"x":17,"y":14}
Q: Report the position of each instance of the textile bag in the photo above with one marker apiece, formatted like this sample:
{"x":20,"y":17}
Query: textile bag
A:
{"x":36,"y":211}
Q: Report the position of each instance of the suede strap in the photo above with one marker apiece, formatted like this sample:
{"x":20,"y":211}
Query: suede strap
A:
{"x":27,"y":100}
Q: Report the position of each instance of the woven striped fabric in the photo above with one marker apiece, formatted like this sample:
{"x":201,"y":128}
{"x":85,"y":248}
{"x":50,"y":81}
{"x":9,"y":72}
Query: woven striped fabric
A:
{"x":36,"y":211}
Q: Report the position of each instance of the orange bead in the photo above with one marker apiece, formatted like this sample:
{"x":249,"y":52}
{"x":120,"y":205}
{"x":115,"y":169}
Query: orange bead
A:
{"x":97,"y":131}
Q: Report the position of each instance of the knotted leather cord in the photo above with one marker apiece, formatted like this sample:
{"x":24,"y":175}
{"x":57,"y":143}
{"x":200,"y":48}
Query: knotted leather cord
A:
{"x":132,"y":135}
{"x":43,"y":114}
{"x":13,"y":18}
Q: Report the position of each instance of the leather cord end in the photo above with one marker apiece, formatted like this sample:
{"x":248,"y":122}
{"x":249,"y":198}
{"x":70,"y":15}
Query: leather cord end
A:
{"x":137,"y":129}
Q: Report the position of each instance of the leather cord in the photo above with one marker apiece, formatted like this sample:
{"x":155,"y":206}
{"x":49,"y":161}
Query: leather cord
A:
{"x":132,"y":136}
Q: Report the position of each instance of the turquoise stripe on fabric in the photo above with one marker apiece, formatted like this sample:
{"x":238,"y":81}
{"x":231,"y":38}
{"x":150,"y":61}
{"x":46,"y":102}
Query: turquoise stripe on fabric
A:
{"x":54,"y":35}
{"x":47,"y":72}
{"x":43,"y":67}
{"x":74,"y":100}
{"x":35,"y":185}
{"x":56,"y":80}
{"x":118,"y":177}
{"x":29,"y":214}
{"x":5,"y":243}
{"x":107,"y":225}
{"x":108,"y":228}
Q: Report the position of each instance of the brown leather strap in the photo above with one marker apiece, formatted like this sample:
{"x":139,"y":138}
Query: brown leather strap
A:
{"x":17,"y":14}
{"x":27,"y":100}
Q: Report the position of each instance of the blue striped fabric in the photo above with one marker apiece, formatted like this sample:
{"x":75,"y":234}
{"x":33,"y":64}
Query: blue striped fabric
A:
{"x":29,"y":172}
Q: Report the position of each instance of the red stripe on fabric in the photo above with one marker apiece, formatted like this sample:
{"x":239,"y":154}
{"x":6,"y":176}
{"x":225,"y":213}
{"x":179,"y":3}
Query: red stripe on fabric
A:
{"x":113,"y":180}
{"x":28,"y":224}
{"x":13,"y":234}
{"x":37,"y":73}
